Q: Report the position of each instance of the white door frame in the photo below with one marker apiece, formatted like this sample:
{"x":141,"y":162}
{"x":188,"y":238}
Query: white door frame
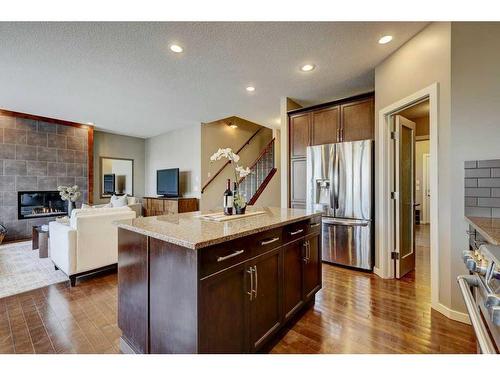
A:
{"x":384,"y":213}
{"x":425,"y":173}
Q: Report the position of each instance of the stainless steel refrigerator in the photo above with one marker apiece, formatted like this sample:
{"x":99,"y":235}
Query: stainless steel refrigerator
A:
{"x":340,"y":185}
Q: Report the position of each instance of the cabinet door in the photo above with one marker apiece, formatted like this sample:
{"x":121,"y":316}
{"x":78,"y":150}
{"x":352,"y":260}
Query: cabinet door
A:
{"x":265,"y":307}
{"x":293,"y":255}
{"x":299,"y":134}
{"x":224,"y":306}
{"x":358,"y":120}
{"x":312,"y":266}
{"x":298,"y":180}
{"x":325,"y":126}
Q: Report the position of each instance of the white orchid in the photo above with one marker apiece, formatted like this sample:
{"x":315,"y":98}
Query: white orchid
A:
{"x":239,"y":171}
{"x":243,"y":172}
{"x":69,"y":193}
{"x":226,"y":153}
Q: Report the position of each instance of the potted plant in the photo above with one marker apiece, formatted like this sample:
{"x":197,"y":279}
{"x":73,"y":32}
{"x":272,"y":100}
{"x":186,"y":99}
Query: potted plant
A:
{"x":3,"y":233}
{"x":70,"y":194}
{"x":239,"y":199}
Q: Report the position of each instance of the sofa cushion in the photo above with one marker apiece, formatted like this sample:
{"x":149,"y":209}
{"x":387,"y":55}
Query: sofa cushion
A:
{"x":118,"y":201}
{"x":131,"y":200}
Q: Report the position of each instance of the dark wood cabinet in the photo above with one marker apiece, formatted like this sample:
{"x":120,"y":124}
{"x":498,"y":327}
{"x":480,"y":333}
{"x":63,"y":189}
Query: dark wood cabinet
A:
{"x":265,"y":307}
{"x":312,"y":266}
{"x":302,"y":272}
{"x":345,"y":120}
{"x":299,"y":134}
{"x":298,"y":178}
{"x":225,"y":305}
{"x":293,"y":255}
{"x":325,"y":126}
{"x":358,"y":120}
{"x":174,"y":300}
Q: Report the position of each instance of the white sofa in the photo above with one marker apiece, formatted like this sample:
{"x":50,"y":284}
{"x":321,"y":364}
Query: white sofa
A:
{"x":88,"y":242}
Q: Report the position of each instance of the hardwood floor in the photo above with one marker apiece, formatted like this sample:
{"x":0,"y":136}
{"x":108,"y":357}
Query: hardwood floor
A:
{"x":355,"y":312}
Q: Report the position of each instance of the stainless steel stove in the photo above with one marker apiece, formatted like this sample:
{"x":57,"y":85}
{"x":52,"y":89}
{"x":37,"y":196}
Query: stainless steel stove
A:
{"x":481,"y":292}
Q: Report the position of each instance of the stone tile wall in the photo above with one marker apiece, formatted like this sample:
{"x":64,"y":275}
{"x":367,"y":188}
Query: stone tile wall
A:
{"x":482,"y":188}
{"x":36,"y":155}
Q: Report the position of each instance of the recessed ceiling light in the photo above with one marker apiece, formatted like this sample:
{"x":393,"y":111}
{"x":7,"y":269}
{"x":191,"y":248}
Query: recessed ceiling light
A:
{"x":307,"y":67}
{"x":90,"y":123}
{"x":250,"y":88}
{"x":176,"y":48}
{"x":385,"y":39}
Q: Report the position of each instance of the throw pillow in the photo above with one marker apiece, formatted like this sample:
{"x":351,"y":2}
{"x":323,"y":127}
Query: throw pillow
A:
{"x":86,"y":207}
{"x":118,"y":201}
{"x":131,"y":200}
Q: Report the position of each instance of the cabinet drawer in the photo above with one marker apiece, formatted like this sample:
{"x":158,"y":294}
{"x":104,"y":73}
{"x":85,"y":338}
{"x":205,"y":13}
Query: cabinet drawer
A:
{"x":314,"y":225}
{"x":219,"y":257}
{"x":295,"y":231}
{"x":265,"y":241}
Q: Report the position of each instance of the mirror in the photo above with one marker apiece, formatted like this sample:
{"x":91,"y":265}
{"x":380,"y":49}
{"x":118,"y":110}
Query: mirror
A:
{"x":117,"y":176}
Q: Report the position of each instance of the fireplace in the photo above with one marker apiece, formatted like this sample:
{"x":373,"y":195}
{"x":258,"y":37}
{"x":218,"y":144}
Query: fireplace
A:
{"x":33,"y":204}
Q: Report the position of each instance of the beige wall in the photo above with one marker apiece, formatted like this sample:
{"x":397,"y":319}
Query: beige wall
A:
{"x":475,"y":110}
{"x":175,"y":149}
{"x":217,"y":135}
{"x":286,"y":104}
{"x":420,"y":62}
{"x":119,"y":146}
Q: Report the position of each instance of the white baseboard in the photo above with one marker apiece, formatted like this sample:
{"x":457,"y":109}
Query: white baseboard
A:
{"x":377,"y":272}
{"x":452,"y":314}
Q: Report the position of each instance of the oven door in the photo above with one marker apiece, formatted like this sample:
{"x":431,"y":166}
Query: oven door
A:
{"x":478,"y":314}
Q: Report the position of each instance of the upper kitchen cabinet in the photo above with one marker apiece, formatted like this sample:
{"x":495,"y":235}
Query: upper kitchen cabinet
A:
{"x":357,"y":120}
{"x":299,"y":134}
{"x":345,"y":120}
{"x":325,"y":126}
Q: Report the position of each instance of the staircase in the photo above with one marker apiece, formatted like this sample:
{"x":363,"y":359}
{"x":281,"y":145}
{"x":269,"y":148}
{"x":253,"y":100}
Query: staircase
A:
{"x":262,"y":171}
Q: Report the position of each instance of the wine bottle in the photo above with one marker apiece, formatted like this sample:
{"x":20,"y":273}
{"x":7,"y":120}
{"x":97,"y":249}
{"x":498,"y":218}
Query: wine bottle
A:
{"x":228,"y":199}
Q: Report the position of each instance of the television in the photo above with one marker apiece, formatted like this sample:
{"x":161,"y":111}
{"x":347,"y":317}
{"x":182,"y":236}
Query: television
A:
{"x":167,"y":182}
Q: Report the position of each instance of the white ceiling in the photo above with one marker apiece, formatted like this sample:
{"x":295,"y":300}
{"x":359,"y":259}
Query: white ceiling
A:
{"x":123,"y":77}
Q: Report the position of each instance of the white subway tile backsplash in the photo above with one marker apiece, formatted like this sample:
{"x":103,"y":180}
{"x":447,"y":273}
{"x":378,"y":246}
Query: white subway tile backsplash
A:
{"x":482,"y":172}
{"x":482,"y":188}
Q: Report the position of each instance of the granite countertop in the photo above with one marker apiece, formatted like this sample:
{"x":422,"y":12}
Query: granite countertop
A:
{"x":189,"y":230}
{"x":489,"y":228}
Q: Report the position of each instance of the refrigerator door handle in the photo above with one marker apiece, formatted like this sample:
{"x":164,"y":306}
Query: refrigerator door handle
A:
{"x":346,"y":222}
{"x":336,"y":179}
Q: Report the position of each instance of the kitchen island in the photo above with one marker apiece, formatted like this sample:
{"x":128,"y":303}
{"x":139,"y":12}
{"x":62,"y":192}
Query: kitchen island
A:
{"x":189,"y":285}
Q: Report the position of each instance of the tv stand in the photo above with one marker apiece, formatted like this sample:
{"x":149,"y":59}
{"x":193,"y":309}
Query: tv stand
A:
{"x":156,"y":206}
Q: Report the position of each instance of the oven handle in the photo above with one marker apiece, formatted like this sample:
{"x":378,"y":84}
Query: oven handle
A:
{"x":465,"y":282}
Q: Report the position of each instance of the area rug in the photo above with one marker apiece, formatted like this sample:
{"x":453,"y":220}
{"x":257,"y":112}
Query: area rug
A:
{"x":21,"y":269}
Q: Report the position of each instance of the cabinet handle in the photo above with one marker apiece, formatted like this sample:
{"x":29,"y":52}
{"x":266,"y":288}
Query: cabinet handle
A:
{"x":236,"y":253}
{"x":267,"y":242}
{"x":305,"y":252}
{"x":250,"y":293}
{"x":314,"y":225}
{"x":256,"y":281}
{"x":296,"y":232}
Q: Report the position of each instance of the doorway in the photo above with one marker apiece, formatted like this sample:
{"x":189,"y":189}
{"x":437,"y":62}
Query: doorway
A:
{"x":411,"y":150}
{"x":384,"y":212}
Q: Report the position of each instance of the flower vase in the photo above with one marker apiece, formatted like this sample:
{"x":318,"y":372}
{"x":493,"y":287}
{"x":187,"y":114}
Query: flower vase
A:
{"x":71,"y":205}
